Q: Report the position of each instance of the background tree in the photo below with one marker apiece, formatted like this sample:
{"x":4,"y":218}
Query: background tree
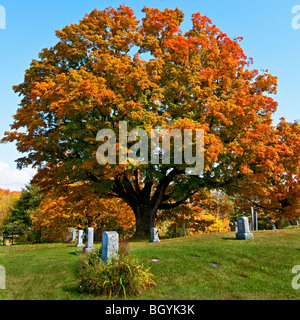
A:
{"x":110,"y":67}
{"x":274,"y":188}
{"x":20,"y":213}
{"x":7,"y":200}
{"x":77,"y":206}
{"x":206,"y":214}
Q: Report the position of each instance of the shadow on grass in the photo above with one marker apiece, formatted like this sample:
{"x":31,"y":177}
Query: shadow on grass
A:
{"x":77,"y":253}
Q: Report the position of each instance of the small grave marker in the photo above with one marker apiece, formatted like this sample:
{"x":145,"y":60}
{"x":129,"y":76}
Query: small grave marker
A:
{"x":243,"y":229}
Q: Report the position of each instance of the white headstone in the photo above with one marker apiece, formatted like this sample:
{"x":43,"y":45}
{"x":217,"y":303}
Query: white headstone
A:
{"x":80,"y":238}
{"x":74,"y":234}
{"x":110,"y":246}
{"x":243,"y":229}
{"x":89,"y":240}
{"x":154,"y":235}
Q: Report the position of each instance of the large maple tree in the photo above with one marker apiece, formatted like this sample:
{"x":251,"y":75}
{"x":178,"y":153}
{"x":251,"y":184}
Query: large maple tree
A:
{"x":111,"y":67}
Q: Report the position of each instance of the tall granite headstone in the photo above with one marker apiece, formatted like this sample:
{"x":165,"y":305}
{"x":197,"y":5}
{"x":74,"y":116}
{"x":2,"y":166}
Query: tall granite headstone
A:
{"x":110,"y":246}
{"x":89,"y":240}
{"x":183,"y":229}
{"x":243,"y":229}
{"x":74,"y":234}
{"x":80,"y":238}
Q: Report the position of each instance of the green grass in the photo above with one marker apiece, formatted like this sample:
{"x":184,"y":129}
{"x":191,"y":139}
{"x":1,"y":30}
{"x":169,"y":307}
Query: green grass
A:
{"x":212,"y":266}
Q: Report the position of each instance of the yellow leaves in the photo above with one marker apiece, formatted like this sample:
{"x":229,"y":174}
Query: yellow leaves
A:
{"x":265,"y":83}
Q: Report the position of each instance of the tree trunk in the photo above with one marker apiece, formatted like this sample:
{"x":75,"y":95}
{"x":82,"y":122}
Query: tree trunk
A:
{"x":144,"y":202}
{"x":145,"y":218}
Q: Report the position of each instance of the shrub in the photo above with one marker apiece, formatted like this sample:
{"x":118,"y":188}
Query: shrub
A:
{"x":118,"y":278}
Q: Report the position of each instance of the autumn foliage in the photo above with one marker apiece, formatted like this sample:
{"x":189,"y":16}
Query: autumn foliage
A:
{"x":7,"y":200}
{"x":78,"y":207}
{"x":273,"y":186}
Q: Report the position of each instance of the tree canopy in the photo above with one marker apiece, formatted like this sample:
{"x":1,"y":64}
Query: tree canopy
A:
{"x":111,"y":67}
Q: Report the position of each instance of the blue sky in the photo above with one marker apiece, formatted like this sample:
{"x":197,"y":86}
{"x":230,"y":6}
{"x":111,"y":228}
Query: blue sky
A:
{"x":265,"y":25}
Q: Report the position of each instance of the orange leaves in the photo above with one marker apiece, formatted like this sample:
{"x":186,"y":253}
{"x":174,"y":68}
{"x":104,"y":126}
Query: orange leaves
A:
{"x":165,"y":23}
{"x":78,"y":206}
{"x":274,"y":185}
{"x":245,"y":169}
{"x":201,"y":22}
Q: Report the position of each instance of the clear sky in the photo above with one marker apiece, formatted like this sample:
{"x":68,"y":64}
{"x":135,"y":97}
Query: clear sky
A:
{"x":265,"y":25}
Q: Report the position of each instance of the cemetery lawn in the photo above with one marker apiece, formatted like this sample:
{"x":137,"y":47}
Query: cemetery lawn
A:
{"x":202,"y":267}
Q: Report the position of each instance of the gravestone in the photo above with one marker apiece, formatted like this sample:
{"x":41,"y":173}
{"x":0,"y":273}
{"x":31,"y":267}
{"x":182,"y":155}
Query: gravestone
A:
{"x":243,"y":229}
{"x":74,"y":234}
{"x":80,"y":238}
{"x":183,"y":230}
{"x":233,"y":226}
{"x":2,"y":278}
{"x":89,"y":240}
{"x":110,"y":246}
{"x":273,"y":226}
{"x":154,"y":235}
{"x":254,"y":220}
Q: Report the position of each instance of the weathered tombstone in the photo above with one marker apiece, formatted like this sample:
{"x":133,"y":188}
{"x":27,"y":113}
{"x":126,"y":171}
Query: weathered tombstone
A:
{"x":251,"y":222}
{"x":243,"y":229}
{"x":154,"y":235}
{"x":273,"y":226}
{"x":256,"y":220}
{"x":74,"y":234}
{"x":233,"y":226}
{"x":110,"y":246}
{"x":80,"y":238}
{"x":183,"y":229}
{"x":2,"y":278}
{"x":89,"y":240}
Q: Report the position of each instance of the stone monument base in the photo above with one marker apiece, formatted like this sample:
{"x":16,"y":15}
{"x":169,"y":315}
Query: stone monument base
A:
{"x":88,"y":250}
{"x":244,"y":236}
